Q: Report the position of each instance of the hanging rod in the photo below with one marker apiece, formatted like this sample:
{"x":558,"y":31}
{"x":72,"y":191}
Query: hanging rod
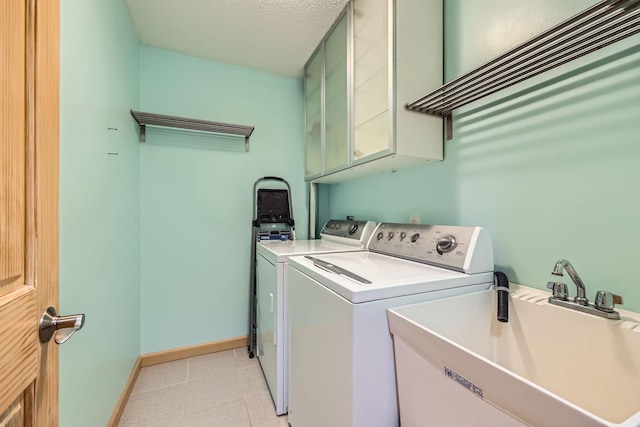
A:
{"x":144,"y":119}
{"x":598,"y":26}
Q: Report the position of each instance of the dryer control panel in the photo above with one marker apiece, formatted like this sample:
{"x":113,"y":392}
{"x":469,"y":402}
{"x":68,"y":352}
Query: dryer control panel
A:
{"x":348,"y":231}
{"x":466,"y":249}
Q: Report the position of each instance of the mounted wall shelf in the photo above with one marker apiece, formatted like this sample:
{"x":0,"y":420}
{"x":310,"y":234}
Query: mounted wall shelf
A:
{"x":144,"y":119}
{"x":598,"y":26}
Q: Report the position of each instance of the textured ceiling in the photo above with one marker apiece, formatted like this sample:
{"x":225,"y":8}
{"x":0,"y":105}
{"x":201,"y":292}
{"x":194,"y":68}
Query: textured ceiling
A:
{"x":271,"y":35}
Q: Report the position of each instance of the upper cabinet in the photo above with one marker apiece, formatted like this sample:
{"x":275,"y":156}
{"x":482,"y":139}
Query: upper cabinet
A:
{"x":372,"y":78}
{"x":336,"y":123}
{"x":326,"y":88}
{"x":313,"y":85}
{"x":377,"y":57}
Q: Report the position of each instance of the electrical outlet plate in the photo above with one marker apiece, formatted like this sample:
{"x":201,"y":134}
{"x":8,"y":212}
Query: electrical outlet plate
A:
{"x":414,"y":218}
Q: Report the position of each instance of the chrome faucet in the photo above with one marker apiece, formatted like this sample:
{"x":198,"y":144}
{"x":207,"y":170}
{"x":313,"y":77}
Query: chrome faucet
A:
{"x":604,"y":303}
{"x":563,"y":264}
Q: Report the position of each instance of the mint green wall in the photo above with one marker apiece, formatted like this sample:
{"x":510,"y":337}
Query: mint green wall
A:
{"x":551,"y":173}
{"x":99,"y":207}
{"x":197,"y":193}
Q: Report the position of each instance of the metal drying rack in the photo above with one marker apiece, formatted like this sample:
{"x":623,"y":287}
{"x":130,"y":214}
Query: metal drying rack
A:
{"x":144,"y":119}
{"x":598,"y":26}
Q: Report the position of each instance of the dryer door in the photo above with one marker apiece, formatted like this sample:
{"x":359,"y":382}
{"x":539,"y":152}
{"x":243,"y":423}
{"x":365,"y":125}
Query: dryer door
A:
{"x":266,"y":319}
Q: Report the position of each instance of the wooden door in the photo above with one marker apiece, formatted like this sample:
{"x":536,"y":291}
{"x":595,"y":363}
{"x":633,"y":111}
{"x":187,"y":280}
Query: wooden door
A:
{"x":29,"y":133}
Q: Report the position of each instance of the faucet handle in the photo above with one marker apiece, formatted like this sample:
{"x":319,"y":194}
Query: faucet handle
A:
{"x":606,"y":301}
{"x":559,"y":290}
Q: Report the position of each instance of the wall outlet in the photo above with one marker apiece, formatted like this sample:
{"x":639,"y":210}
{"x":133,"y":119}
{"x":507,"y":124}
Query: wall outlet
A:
{"x":414,"y":218}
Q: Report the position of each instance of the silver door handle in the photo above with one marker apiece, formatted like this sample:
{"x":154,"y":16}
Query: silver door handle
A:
{"x":327,"y":266}
{"x":59,"y":327}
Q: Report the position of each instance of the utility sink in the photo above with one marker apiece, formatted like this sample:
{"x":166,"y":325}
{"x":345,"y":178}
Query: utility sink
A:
{"x":548,"y":366}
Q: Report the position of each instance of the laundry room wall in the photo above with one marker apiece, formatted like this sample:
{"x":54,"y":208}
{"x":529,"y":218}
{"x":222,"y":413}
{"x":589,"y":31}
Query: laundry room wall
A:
{"x":99,"y":207}
{"x":549,"y":167}
{"x":197,"y":192}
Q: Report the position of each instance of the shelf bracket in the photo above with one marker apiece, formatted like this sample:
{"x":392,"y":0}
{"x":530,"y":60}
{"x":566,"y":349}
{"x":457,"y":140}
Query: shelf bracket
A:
{"x":449,"y":123}
{"x":143,"y":133}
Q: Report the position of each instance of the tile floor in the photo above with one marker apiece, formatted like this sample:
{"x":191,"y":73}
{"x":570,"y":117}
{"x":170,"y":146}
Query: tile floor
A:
{"x":219,"y":389}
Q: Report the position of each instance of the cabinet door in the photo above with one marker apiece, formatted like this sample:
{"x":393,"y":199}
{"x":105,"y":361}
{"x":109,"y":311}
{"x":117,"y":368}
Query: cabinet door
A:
{"x":371,"y":78}
{"x":313,"y":89}
{"x":336,"y":139}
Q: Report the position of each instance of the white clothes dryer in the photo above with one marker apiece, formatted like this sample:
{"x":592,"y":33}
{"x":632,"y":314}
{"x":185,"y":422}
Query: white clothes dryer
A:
{"x":341,"y":351}
{"x":271,"y":275}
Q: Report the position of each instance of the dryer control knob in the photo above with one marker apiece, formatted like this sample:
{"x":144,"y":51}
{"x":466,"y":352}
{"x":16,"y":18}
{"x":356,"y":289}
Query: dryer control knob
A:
{"x":390,"y":235}
{"x":446,"y":244}
{"x":380,"y":235}
{"x":415,"y":237}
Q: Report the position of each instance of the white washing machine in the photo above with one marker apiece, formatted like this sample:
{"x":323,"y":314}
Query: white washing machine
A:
{"x":341,"y":352}
{"x":271,"y":275}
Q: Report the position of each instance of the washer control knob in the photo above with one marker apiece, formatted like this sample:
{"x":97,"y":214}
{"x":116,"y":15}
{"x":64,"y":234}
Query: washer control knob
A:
{"x":390,"y":235}
{"x":353,"y":228}
{"x":403,"y":234}
{"x":380,"y":235}
{"x":338,"y":227}
{"x":446,"y":244}
{"x":415,"y":237}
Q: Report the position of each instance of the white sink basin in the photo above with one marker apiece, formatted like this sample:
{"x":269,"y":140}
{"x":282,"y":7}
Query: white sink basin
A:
{"x":548,"y":366}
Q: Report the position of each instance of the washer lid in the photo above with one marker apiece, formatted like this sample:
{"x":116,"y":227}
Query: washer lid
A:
{"x":280,"y":251}
{"x":389,"y":277}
